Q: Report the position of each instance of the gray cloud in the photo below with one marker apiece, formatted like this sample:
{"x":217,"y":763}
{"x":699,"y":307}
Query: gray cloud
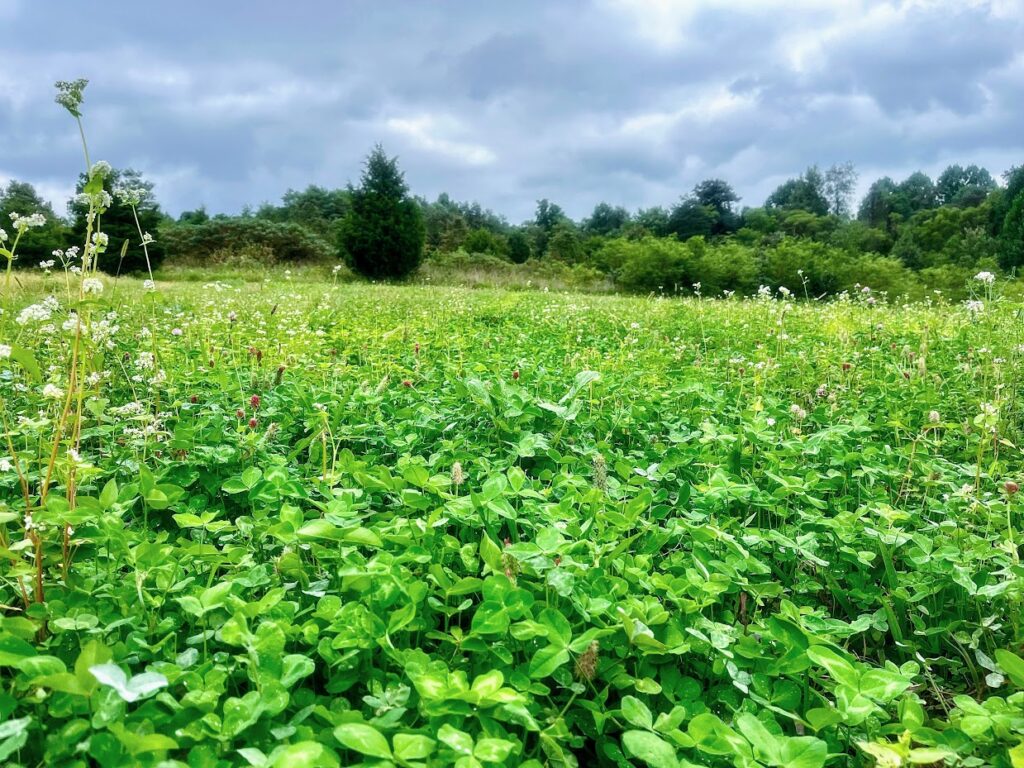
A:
{"x":629,"y":101}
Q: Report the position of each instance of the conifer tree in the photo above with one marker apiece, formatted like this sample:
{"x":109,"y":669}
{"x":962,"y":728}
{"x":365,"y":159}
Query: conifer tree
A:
{"x":382,"y":235}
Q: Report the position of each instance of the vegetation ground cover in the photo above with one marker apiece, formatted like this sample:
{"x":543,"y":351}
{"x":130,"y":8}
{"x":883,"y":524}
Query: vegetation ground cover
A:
{"x":294,"y":523}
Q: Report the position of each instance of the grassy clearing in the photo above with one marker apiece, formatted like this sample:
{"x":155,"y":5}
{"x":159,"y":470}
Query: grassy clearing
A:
{"x":295,"y":523}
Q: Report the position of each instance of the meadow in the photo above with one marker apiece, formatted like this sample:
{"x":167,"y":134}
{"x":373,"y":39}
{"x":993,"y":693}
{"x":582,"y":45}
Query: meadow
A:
{"x":292,"y":523}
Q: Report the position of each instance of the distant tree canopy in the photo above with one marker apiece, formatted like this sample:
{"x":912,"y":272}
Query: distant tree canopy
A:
{"x":606,"y":220}
{"x":904,"y":234}
{"x":118,"y":222}
{"x":382,"y":234}
{"x":36,"y":244}
{"x":315,"y":208}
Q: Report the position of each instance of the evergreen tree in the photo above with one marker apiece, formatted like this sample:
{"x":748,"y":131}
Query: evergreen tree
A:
{"x":382,"y":235}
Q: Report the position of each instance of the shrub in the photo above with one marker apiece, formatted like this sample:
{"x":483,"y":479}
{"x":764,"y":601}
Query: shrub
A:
{"x":243,"y":238}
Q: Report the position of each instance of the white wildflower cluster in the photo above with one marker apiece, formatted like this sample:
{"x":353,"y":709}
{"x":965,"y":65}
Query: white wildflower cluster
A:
{"x":147,"y":238}
{"x":764,"y":292}
{"x":69,"y":95}
{"x":5,"y":465}
{"x":47,"y":265}
{"x":5,"y":351}
{"x":100,"y":168}
{"x":149,"y":285}
{"x":100,"y":201}
{"x":103,"y":330}
{"x":145,"y":360}
{"x":38,"y":313}
{"x":92,"y":285}
{"x":134,"y":408}
{"x":985,"y":277}
{"x":53,"y":392}
{"x":3,"y":236}
{"x":974,"y":306}
{"x":24,"y":223}
{"x":132,"y":196}
{"x":798,"y":413}
{"x":785,"y":292}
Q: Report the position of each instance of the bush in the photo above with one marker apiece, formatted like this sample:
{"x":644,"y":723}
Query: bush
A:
{"x":662,"y":265}
{"x":243,"y":239}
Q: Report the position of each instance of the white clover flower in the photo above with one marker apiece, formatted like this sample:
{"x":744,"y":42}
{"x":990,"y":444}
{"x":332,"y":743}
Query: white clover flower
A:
{"x":5,"y":465}
{"x":5,"y":351}
{"x":176,"y":332}
{"x":145,"y":360}
{"x":53,"y":392}
{"x":799,"y":413}
{"x":92,"y":285}
{"x":934,"y":417}
{"x":770,"y":421}
{"x":985,"y":277}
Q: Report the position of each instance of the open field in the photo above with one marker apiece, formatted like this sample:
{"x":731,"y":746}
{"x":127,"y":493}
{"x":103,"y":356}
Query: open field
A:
{"x":292,"y":523}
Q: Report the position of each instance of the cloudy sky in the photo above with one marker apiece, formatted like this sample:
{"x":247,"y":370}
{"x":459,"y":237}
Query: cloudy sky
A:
{"x":227,"y":102}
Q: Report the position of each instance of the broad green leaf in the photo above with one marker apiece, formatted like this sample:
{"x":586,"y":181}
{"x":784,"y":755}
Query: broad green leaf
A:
{"x":636,"y":712}
{"x":364,"y":739}
{"x":412,"y":746}
{"x":650,"y":748}
{"x":130,"y":689}
{"x":547,"y":660}
{"x":1012,"y":665}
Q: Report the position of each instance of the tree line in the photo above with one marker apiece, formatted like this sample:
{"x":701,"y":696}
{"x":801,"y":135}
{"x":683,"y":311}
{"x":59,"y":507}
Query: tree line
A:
{"x":807,"y":234}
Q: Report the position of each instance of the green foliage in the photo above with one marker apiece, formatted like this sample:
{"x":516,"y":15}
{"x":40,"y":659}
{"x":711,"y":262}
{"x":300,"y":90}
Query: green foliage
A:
{"x":38,"y":243}
{"x":963,"y":186}
{"x":565,"y":244}
{"x":805,"y":193}
{"x":518,"y":247}
{"x":475,"y":528}
{"x":242,"y":240}
{"x":483,"y":241}
{"x":315,"y":208}
{"x":659,"y":265}
{"x":382,"y":236}
{"x":606,"y":220}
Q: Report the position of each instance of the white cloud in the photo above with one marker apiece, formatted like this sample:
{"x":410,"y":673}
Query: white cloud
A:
{"x":427,"y":132}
